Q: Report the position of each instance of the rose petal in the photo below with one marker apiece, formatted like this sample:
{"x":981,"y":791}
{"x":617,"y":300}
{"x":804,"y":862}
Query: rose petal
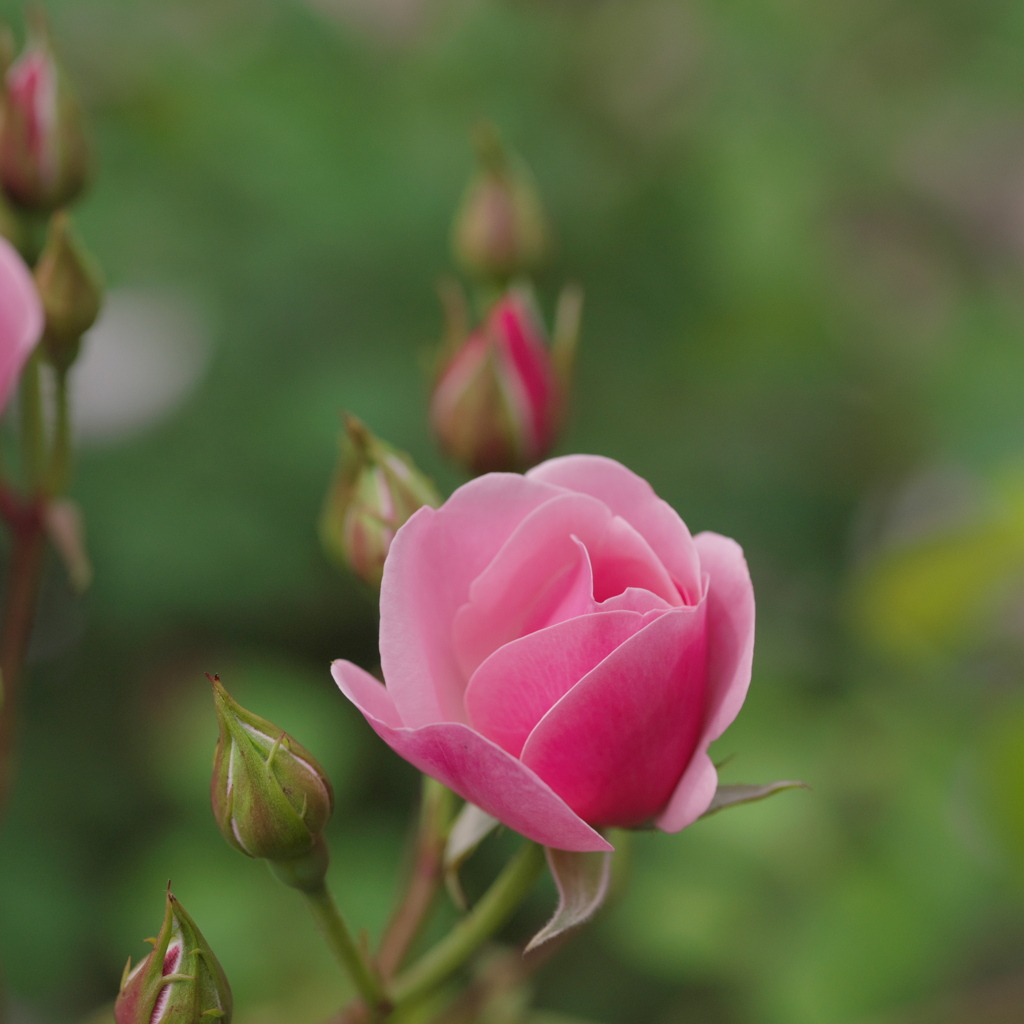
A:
{"x":474,"y":767}
{"x":634,"y":600}
{"x":616,"y":744}
{"x":623,"y":559}
{"x":529,"y":576}
{"x":424,"y":585}
{"x":21,"y":318}
{"x":730,"y":629}
{"x":633,"y":498}
{"x":537,"y":578}
{"x":519,"y":683}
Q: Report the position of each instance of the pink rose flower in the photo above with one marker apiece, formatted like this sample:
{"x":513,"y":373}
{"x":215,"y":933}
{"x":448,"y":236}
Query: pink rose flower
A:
{"x":21,"y":318}
{"x":560,"y":651}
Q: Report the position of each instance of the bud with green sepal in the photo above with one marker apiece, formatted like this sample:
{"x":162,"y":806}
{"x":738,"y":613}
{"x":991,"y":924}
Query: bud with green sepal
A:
{"x":179,"y":981}
{"x":500,"y":230}
{"x":270,"y":798}
{"x":375,"y":490}
{"x":500,"y":398}
{"x":44,"y":155}
{"x":69,"y":284}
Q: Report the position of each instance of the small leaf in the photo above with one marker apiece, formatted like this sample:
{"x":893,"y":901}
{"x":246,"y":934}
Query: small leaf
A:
{"x":471,"y":827}
{"x":730,"y":796}
{"x":582,"y":880}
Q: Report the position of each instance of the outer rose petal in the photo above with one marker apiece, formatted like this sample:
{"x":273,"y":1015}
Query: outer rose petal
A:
{"x":633,"y":498}
{"x":730,"y":631}
{"x":433,"y":560}
{"x":21,"y":318}
{"x":616,"y":744}
{"x":474,"y":767}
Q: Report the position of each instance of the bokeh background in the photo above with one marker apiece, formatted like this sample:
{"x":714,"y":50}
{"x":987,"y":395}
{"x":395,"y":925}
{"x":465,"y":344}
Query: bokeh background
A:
{"x":800,"y":227}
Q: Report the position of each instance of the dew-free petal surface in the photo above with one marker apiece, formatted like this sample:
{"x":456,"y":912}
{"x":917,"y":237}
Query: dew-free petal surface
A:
{"x":433,"y":560}
{"x":616,"y":744}
{"x":529,"y":576}
{"x":471,"y":765}
{"x":519,"y":683}
{"x":730,"y":631}
{"x":633,"y":498}
{"x":21,"y":318}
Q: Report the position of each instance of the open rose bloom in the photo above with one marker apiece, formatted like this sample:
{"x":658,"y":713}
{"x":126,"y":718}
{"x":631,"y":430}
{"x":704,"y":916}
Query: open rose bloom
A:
{"x":560,"y":651}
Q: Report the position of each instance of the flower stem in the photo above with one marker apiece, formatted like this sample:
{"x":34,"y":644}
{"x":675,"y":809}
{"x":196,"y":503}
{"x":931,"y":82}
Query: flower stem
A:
{"x":492,"y":911}
{"x":425,"y":877}
{"x":33,"y":439}
{"x":60,"y":458}
{"x":28,"y":541}
{"x":344,"y":948}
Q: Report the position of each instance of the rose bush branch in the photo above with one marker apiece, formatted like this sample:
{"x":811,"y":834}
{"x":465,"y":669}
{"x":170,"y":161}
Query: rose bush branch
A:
{"x":425,"y":877}
{"x":492,"y":911}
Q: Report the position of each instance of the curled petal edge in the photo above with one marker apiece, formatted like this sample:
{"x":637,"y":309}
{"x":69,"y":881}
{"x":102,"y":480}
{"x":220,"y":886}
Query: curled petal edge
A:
{"x":471,"y":765}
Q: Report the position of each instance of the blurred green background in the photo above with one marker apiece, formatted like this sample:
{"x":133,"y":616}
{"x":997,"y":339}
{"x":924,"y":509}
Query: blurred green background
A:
{"x":800,"y":227}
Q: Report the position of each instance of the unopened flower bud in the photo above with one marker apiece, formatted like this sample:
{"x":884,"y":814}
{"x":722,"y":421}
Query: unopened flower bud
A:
{"x":179,"y":982}
{"x":270,"y":797}
{"x":498,"y":402}
{"x":44,"y":156}
{"x":375,"y":490}
{"x":500,"y":230}
{"x":69,"y":285}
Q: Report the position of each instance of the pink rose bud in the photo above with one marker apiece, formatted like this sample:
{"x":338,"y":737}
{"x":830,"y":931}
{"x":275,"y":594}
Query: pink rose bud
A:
{"x":44,"y":158}
{"x":375,"y":490}
{"x":179,"y":982}
{"x":69,"y":284}
{"x":500,"y":231}
{"x":21,"y":318}
{"x":270,"y":798}
{"x":498,"y":402}
{"x":560,"y":652}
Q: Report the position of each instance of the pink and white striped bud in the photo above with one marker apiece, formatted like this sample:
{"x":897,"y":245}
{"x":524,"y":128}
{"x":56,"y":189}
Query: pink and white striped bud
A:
{"x":498,"y":402}
{"x":375,"y":490}
{"x":44,"y":156}
{"x":179,"y":982}
{"x":270,"y":798}
{"x":500,"y":230}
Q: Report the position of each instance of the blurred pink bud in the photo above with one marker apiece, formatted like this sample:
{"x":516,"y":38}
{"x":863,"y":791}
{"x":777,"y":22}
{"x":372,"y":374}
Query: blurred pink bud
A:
{"x":179,"y":982}
{"x":500,"y":229}
{"x":44,"y":158}
{"x":375,"y":490}
{"x":498,"y":402}
{"x":21,"y":318}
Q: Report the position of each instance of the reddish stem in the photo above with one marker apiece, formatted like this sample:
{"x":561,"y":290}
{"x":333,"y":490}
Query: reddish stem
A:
{"x":28,"y":540}
{"x":426,"y":875}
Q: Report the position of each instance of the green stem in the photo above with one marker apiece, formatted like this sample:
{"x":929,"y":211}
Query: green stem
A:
{"x":344,"y":948}
{"x":491,"y":912}
{"x":33,"y":440}
{"x":60,"y":457}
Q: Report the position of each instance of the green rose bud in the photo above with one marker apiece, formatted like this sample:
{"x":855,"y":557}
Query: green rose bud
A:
{"x":69,"y":284}
{"x":179,"y":982}
{"x":374,"y":491}
{"x":500,"y":230}
{"x":270,"y":798}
